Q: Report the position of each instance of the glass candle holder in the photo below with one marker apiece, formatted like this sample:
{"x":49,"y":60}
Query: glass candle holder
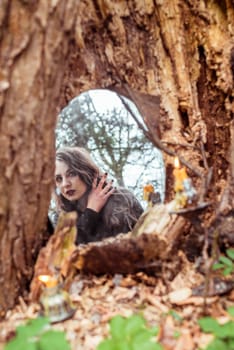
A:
{"x":55,"y":302}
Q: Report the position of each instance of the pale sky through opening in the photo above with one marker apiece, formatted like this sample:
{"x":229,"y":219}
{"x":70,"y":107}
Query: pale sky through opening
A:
{"x":105,"y":100}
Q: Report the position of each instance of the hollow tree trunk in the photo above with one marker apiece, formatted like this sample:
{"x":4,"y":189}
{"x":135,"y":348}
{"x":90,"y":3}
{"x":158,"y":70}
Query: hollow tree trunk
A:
{"x":180,"y":51}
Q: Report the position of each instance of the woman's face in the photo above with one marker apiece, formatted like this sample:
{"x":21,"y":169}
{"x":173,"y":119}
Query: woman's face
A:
{"x":68,"y":182}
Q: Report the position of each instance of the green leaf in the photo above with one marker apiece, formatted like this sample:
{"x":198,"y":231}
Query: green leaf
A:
{"x":134,"y":325}
{"x":147,"y":346}
{"x":20,"y":344}
{"x":158,"y":347}
{"x":217,"y":266}
{"x":228,"y":271}
{"x":230,"y":253}
{"x":142,"y":336}
{"x":27,"y":335}
{"x":154,"y":330}
{"x":208,"y":324}
{"x":123,"y":345}
{"x":143,"y":340}
{"x":130,"y":334}
{"x":226,"y":330}
{"x":32,"y":327}
{"x":226,"y":261}
{"x":111,"y":344}
{"x":230,"y":310}
{"x":175,"y":315}
{"x":230,"y":344}
{"x":108,"y":344}
{"x":54,"y":340}
{"x":217,"y":344}
{"x":117,"y":326}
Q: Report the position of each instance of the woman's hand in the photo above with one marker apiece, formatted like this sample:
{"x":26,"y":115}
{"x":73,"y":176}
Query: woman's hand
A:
{"x":100,"y":193}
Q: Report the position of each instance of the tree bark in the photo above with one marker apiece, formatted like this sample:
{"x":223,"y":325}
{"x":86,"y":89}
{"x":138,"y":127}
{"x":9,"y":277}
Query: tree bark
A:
{"x":181,"y":51}
{"x":151,"y":247}
{"x":33,"y":49}
{"x":50,"y":52}
{"x":175,"y":60}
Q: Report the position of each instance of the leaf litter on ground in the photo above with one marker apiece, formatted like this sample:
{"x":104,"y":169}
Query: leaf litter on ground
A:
{"x":170,"y":306}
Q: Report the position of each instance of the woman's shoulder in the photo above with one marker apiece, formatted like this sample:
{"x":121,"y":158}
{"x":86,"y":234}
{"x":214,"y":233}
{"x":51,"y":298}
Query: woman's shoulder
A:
{"x":122,"y":210}
{"x":124,"y":198}
{"x":123,"y":193}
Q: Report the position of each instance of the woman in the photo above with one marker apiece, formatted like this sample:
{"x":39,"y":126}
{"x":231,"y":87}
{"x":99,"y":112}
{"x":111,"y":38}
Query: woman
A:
{"x":102,"y":210}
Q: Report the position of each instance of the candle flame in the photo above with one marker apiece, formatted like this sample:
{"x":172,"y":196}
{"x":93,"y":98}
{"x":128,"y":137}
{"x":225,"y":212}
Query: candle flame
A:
{"x":148,"y":188}
{"x":176,"y":162}
{"x":47,"y":280}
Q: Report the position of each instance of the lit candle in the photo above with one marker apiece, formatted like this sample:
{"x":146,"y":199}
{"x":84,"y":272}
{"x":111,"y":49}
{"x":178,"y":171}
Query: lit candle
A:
{"x":147,"y":189}
{"x":48,"y":281}
{"x":55,"y":302}
{"x":180,"y":175}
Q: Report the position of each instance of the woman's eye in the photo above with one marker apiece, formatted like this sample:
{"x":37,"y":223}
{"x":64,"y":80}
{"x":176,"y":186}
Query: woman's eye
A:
{"x":58,"y":179}
{"x":71,"y":173}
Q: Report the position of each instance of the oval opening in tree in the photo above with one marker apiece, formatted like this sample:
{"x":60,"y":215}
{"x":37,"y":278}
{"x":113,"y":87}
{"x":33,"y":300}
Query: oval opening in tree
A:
{"x":99,"y":121}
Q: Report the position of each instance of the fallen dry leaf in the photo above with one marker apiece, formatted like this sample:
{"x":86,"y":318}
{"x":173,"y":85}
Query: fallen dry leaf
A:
{"x":98,"y":299}
{"x":179,"y":296}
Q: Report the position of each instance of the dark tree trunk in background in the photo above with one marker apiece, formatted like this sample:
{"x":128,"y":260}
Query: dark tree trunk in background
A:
{"x":50,"y":52}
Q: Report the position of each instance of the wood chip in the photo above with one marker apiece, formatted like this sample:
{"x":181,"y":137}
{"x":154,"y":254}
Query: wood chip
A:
{"x":180,"y":295}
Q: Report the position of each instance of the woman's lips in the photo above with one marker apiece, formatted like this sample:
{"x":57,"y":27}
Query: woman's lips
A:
{"x":70,"y":193}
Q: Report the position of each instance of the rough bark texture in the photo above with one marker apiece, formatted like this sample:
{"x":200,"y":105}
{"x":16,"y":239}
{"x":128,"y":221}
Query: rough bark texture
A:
{"x":33,"y":49}
{"x":181,"y":51}
{"x":180,"y":54}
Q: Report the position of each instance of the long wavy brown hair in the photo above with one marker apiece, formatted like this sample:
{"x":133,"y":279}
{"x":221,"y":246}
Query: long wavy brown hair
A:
{"x":122,"y":205}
